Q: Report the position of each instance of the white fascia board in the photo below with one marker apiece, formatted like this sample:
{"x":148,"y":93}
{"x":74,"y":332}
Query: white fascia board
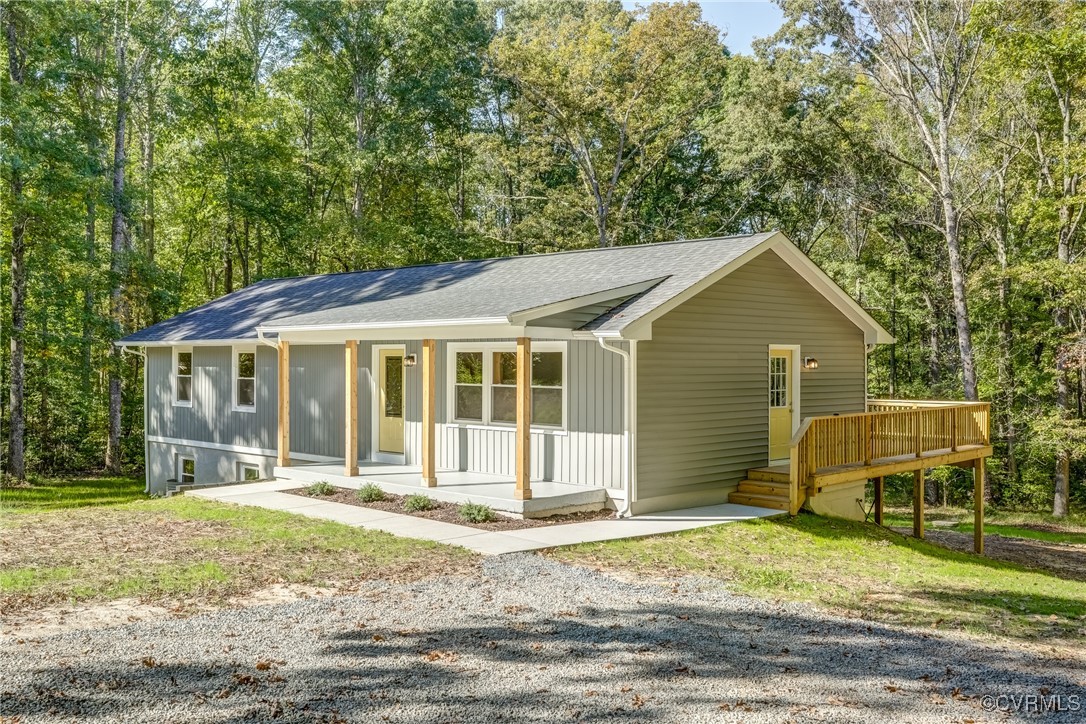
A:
{"x":585,"y":300}
{"x":190,"y":343}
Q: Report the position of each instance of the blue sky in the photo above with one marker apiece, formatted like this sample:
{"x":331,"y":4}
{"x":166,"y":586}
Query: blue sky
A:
{"x":741,"y":20}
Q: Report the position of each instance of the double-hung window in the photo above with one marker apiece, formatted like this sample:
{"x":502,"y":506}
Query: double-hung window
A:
{"x":244,"y":379}
{"x":182,"y":376}
{"x":484,"y":384}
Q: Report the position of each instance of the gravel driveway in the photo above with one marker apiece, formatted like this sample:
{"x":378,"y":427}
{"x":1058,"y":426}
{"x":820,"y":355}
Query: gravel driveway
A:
{"x":528,"y":639}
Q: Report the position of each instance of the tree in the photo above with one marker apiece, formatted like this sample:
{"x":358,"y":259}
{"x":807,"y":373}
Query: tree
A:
{"x":921,"y":61}
{"x":617,"y":91}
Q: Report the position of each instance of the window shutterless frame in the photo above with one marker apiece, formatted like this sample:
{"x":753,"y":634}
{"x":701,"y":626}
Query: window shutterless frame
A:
{"x":488,"y":350}
{"x":248,"y":471}
{"x":181,"y":362}
{"x":243,"y":379}
{"x":186,"y":470}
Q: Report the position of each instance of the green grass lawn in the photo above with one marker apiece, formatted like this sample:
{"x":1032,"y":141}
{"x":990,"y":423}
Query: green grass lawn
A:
{"x":185,"y":551}
{"x":1010,"y":524}
{"x":52,"y":494}
{"x":860,"y":570}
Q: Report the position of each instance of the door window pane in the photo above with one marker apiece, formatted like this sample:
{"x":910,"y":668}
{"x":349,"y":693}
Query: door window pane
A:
{"x":394,"y":386}
{"x":778,"y":382}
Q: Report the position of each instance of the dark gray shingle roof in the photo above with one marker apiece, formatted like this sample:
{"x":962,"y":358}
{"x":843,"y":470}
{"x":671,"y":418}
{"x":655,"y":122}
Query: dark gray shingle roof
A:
{"x":484,"y":289}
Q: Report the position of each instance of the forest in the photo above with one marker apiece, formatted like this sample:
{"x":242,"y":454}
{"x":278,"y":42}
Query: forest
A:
{"x":930,"y":156}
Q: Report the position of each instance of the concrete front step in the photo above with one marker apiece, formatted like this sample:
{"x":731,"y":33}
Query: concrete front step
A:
{"x":767,"y":474}
{"x":763,"y":487}
{"x":776,"y":502}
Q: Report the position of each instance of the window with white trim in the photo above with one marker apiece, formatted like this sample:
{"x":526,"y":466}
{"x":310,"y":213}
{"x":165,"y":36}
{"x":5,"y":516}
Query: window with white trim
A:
{"x":484,"y":384}
{"x":245,"y":379}
{"x":182,"y":376}
{"x":186,"y":470}
{"x":248,"y":471}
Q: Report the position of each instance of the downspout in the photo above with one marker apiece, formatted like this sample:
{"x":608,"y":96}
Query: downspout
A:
{"x":146,"y":445}
{"x":629,"y":416}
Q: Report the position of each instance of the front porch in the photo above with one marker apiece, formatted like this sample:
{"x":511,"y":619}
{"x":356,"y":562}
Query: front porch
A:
{"x":496,"y":491}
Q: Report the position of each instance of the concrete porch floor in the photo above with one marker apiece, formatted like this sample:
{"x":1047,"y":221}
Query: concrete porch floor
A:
{"x":455,"y":486}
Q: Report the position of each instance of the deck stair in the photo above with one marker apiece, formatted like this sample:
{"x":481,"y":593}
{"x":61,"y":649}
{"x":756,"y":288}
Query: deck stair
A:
{"x":763,"y":487}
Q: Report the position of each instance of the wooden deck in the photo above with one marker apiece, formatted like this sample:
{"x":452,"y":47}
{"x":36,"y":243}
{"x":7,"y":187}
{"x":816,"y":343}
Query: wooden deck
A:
{"x":891,"y":437}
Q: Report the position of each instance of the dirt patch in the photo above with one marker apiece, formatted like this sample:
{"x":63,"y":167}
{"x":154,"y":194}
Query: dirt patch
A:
{"x":449,"y":513}
{"x":1065,"y":560}
{"x":59,"y":619}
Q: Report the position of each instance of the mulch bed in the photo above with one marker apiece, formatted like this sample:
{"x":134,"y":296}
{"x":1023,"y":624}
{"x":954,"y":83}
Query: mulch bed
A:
{"x":448,"y":513}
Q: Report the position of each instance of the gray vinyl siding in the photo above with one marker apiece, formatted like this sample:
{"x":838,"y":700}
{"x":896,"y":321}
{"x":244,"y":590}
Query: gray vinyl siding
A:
{"x":587,"y":452}
{"x":211,"y":417}
{"x":703,"y":408}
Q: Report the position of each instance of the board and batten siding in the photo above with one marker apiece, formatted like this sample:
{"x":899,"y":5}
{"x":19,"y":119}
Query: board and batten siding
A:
{"x":587,"y":452}
{"x":211,"y":417}
{"x":702,"y":380}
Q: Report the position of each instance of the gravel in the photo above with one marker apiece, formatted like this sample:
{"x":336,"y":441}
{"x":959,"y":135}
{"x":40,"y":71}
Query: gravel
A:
{"x":527,"y":639}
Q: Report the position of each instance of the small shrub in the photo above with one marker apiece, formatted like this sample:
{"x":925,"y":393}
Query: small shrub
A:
{"x":371,"y":493}
{"x":418,"y":502}
{"x":320,"y":488}
{"x":475,"y":513}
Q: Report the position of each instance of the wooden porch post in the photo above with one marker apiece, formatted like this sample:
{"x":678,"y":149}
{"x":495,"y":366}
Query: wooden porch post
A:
{"x":880,"y":484}
{"x":524,"y":419}
{"x":978,"y":506}
{"x":284,"y":405}
{"x":350,"y":378}
{"x":918,"y":503}
{"x":429,"y":353}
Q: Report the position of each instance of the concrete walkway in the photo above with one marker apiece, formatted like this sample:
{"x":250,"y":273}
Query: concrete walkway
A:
{"x":268,"y":495}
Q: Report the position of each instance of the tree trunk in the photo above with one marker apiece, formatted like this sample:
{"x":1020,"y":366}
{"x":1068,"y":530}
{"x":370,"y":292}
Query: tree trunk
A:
{"x":118,"y":261}
{"x":17,"y":424}
{"x":1006,"y":339}
{"x":359,"y":141}
{"x":957,"y":283}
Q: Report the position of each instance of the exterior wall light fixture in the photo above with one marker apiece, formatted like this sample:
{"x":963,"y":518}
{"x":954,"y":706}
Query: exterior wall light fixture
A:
{"x":810,"y":363}
{"x":410,"y":360}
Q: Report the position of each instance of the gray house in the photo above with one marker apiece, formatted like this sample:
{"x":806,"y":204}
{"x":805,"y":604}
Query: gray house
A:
{"x":642,"y":378}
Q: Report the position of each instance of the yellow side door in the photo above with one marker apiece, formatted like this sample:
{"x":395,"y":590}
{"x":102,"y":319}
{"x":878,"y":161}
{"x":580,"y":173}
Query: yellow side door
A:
{"x":781,"y":394}
{"x":390,"y":404}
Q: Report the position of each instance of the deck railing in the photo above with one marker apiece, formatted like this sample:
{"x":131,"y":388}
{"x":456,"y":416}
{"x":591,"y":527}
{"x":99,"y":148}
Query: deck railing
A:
{"x":889,"y":429}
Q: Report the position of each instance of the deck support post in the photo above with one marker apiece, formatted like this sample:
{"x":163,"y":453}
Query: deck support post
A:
{"x":524,"y":419}
{"x":350,"y":415}
{"x":978,"y":506}
{"x":283,"y":437}
{"x":880,"y":486}
{"x":429,"y":427}
{"x":918,"y":503}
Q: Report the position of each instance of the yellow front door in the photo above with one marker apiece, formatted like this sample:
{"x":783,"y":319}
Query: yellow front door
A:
{"x":781,"y":399}
{"x":390,"y":402}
